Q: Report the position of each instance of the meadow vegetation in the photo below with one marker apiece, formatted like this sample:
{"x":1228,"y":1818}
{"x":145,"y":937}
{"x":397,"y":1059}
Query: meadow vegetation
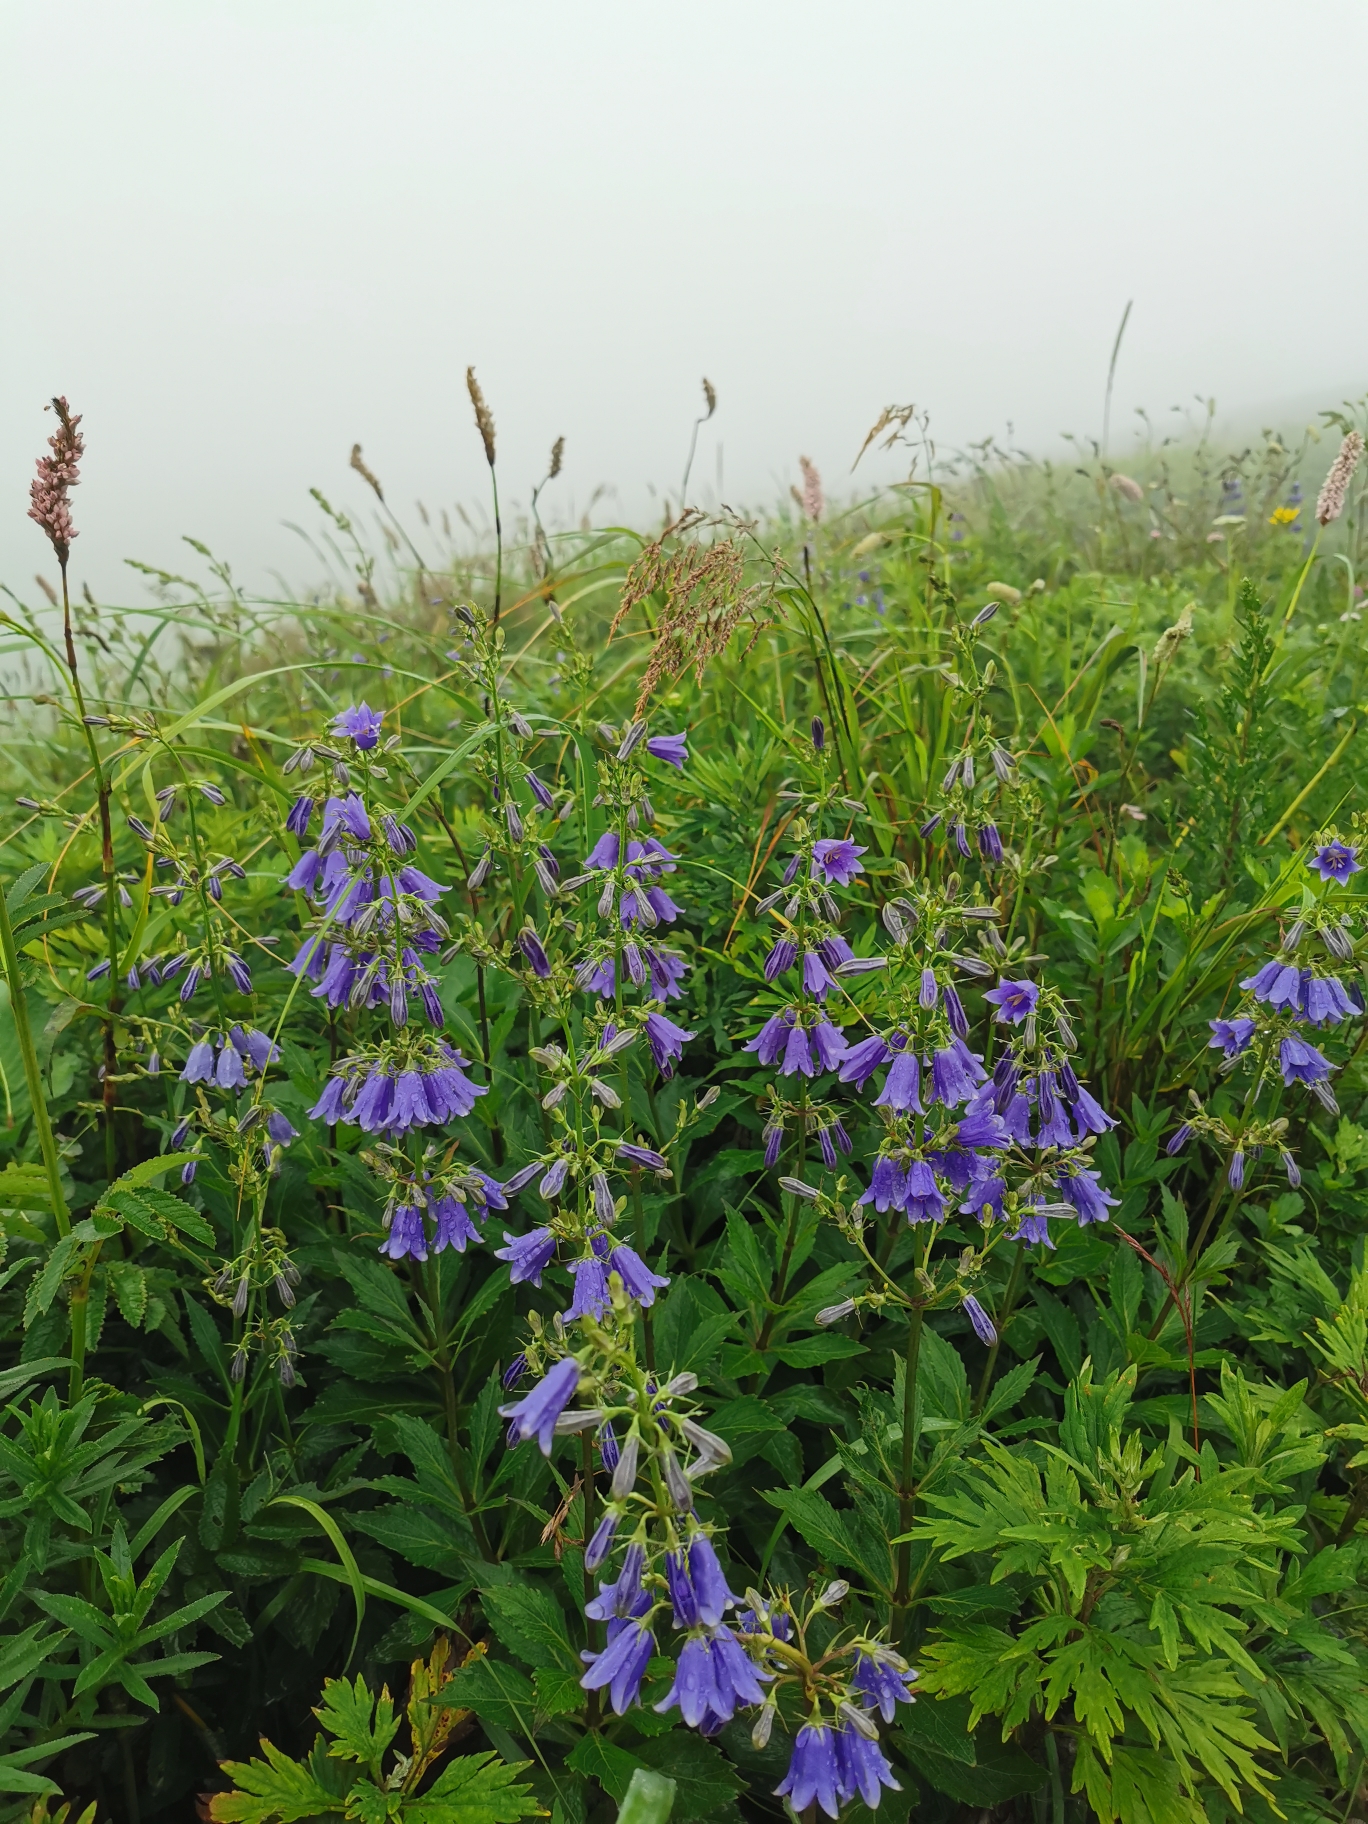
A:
{"x":732,"y":1156}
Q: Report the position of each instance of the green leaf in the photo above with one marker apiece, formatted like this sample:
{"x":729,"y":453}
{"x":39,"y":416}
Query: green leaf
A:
{"x":475,"y":1789}
{"x":156,"y":1213}
{"x":529,"y":1622}
{"x":362,"y":1725}
{"x":276,"y":1788}
{"x":559,"y":1693}
{"x":497,"y":1692}
{"x":813,"y":1351}
{"x":612,"y":1767}
{"x":708,"y":1784}
{"x":833,"y":1535}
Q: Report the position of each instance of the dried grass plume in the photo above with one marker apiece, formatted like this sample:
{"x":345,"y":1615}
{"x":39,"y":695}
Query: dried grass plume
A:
{"x":704,"y":599}
{"x":484,"y":418}
{"x":813,"y":499}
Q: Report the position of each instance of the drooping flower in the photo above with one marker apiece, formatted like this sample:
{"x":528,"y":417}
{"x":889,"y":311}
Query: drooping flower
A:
{"x":637,"y":1277}
{"x":1277,"y":983}
{"x":925,"y":1200}
{"x":1230,"y":1036}
{"x":1335,"y":861}
{"x":407,"y":1235}
{"x":1300,"y":1062}
{"x":828,"y":1042}
{"x":772,"y":1037}
{"x":672,"y":749}
{"x":1324,"y":1001}
{"x":621,"y":1666}
{"x":454,"y":1227}
{"x":199,"y":1066}
{"x":709,"y":1582}
{"x":666,"y":1040}
{"x":862,"y":1766}
{"x":1014,"y":1000}
{"x":362,"y":723}
{"x":955,"y":1074}
{"x":836,"y":860}
{"x":1084,"y":1190}
{"x":884,"y":1682}
{"x":862,"y":1059}
{"x":887,"y":1185}
{"x":591,"y":1289}
{"x":902,"y":1085}
{"x":535,"y":1415}
{"x":812,"y":1773}
{"x":528,"y":1255}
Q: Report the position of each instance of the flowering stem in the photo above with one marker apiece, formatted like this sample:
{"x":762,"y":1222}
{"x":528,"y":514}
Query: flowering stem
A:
{"x":907,"y":1493}
{"x":446,"y":1375}
{"x":102,"y":788}
{"x":1004,"y":1314}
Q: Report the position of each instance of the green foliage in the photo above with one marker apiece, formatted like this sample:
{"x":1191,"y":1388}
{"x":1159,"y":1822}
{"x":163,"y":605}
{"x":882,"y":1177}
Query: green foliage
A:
{"x":245,"y":1458}
{"x":358,"y":1729}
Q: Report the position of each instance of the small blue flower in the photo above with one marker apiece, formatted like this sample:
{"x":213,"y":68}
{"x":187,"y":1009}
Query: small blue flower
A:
{"x":535,"y":1415}
{"x":362,"y":723}
{"x":1335,"y":861}
{"x":1014,"y":1000}
{"x":836,"y":860}
{"x":669,"y":748}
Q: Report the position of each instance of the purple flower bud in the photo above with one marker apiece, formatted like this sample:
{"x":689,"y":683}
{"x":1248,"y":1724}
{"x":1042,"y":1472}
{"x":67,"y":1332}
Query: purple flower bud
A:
{"x":530,"y":945}
{"x":818,"y":733}
{"x":984,"y":1328}
{"x":301,"y":814}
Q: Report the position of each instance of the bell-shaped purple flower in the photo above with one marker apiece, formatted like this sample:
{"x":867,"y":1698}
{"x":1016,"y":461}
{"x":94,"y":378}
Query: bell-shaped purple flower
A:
{"x":781,"y":958}
{"x":1278,"y":984}
{"x":199,"y":1066}
{"x":531,"y":946}
{"x":362,"y":723}
{"x":672,"y":749}
{"x":770,"y":1041}
{"x":1231,"y":1036}
{"x":535,"y":1415}
{"x":797,"y":1054}
{"x":604,"y":853}
{"x":925,"y":1201}
{"x":955,"y":1074}
{"x":862,"y":1059}
{"x":887,"y":1186}
{"x":816,"y":978}
{"x":828,"y":1044}
{"x":902,"y":1085}
{"x":667,"y":1041}
{"x":621,"y":1666}
{"x":1084,"y":1190}
{"x":228,"y":1073}
{"x":1300,"y":1062}
{"x":454,"y":1227}
{"x":1335,"y":861}
{"x":528,"y":1255}
{"x":709,"y":1583}
{"x":882,"y":1684}
{"x":641,"y":1284}
{"x":1324,"y":1001}
{"x":813,"y":1774}
{"x":862,"y":1767}
{"x":591,"y":1289}
{"x":407,"y":1237}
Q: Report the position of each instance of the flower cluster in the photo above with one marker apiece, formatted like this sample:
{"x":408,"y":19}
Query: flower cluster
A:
{"x":1299,"y":989}
{"x":662,"y":1570}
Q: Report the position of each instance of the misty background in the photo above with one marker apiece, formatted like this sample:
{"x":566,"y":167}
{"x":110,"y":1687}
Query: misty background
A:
{"x":242,"y":236}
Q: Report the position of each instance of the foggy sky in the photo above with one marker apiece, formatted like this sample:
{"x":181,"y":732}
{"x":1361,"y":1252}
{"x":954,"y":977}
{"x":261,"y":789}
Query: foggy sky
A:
{"x":242,"y":234}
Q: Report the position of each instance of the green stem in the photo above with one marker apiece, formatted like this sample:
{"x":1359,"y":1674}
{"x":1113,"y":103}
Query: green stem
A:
{"x":23,"y":1032}
{"x":1005,"y":1310}
{"x":498,"y":545}
{"x":1056,"y":1778}
{"x":907,"y":1492}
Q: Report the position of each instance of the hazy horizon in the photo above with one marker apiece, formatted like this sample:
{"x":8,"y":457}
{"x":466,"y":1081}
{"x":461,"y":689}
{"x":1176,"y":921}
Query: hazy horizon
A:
{"x":242,"y":238}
